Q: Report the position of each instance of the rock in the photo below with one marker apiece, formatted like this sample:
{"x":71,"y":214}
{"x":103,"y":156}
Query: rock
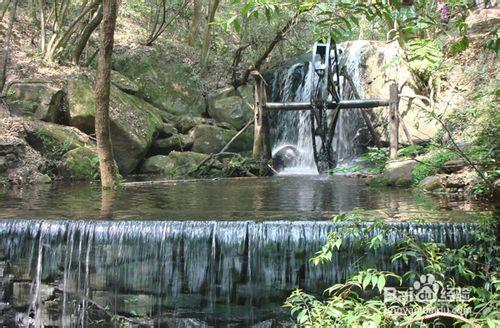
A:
{"x":432,"y":182}
{"x":22,"y":296}
{"x":482,"y":21}
{"x":182,"y":323}
{"x":134,"y":122}
{"x":4,"y":110}
{"x":167,"y":84}
{"x":37,"y":99}
{"x":372,"y":56}
{"x":399,"y":172}
{"x":265,"y":324}
{"x":233,"y":107}
{"x":131,"y":305}
{"x":53,"y":140}
{"x":179,"y":142}
{"x":124,"y":83}
{"x":167,"y":130}
{"x":176,"y":164}
{"x":21,"y":163}
{"x":285,"y":157}
{"x":3,"y":164}
{"x":208,"y":139}
{"x":81,"y":163}
{"x":185,"y":123}
{"x":453,"y":165}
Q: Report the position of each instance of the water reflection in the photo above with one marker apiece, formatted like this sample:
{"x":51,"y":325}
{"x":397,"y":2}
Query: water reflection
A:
{"x":301,"y":197}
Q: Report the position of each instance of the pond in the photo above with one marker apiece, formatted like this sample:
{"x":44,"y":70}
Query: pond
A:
{"x":224,"y":252}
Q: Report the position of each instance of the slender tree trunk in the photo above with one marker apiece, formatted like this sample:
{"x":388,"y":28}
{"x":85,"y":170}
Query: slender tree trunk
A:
{"x":194,"y":25}
{"x":3,"y":8}
{"x":41,"y":4}
{"x":212,"y":10}
{"x":109,"y":175}
{"x":85,"y":36}
{"x":4,"y":55}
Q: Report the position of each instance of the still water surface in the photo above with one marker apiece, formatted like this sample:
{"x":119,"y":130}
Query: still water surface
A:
{"x":293,"y":197}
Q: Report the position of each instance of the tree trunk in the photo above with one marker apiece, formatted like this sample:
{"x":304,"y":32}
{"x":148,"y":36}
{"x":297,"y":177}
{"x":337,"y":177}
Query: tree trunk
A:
{"x":109,"y":175}
{"x":85,"y":36}
{"x":194,"y":25}
{"x":4,"y":56}
{"x":41,"y":4}
{"x":212,"y":10}
{"x":3,"y":8}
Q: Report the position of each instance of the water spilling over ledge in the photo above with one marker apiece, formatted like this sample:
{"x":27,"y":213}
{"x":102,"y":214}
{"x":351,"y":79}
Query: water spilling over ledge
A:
{"x":215,"y":271}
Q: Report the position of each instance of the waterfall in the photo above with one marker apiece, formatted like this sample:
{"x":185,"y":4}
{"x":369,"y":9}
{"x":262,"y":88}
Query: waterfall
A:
{"x":292,"y":128}
{"x":217,"y":271}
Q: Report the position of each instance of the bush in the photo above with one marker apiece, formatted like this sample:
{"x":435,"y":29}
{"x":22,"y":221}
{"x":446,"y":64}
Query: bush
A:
{"x":361,"y":301}
{"x":431,"y":165}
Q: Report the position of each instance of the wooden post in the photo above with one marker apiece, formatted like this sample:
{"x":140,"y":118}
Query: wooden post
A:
{"x":257,"y":116}
{"x":262,"y":141}
{"x":393,"y":120}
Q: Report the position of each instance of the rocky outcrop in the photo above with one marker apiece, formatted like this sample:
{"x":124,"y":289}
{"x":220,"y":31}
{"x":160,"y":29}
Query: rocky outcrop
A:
{"x":175,"y":165}
{"x":169,"y":85}
{"x":80,"y":163}
{"x":399,"y":172}
{"x":185,"y":123}
{"x":208,"y":139}
{"x":376,"y":65}
{"x":483,"y":21}
{"x":30,"y":149}
{"x":134,"y":123}
{"x":177,"y":142}
{"x":37,"y":99}
{"x":232,"y":106}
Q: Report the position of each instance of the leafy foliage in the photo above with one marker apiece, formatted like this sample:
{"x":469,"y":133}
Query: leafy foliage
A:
{"x":358,"y":302}
{"x":432,"y":164}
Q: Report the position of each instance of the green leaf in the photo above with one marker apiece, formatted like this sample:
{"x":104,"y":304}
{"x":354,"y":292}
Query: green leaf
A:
{"x":366,"y":281}
{"x":381,"y":283}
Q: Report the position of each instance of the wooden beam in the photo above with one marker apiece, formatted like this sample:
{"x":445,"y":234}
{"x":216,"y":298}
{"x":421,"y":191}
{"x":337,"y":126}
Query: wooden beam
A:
{"x":393,"y":121}
{"x":343,"y":104}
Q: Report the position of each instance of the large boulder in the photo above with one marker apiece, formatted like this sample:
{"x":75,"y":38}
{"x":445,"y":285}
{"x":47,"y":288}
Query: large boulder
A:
{"x":210,"y":139}
{"x":134,"y":123}
{"x":20,"y":163}
{"x":37,"y":99}
{"x":373,"y":67}
{"x":175,"y":165}
{"x":399,"y":172}
{"x":167,"y":84}
{"x":178,"y":142}
{"x":81,"y":163}
{"x":185,"y":123}
{"x":53,"y":140}
{"x":483,"y":21}
{"x":232,"y":106}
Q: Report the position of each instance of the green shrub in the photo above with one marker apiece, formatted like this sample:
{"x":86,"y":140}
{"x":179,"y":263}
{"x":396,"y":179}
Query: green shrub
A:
{"x":360,"y":300}
{"x":431,"y":165}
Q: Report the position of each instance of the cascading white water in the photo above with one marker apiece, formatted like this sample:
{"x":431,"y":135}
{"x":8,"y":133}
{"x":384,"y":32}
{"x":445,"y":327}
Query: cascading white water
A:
{"x":297,"y":125}
{"x":207,"y":268}
{"x":293,"y":128}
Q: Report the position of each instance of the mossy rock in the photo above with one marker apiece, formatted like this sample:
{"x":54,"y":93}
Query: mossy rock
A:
{"x":37,"y":99}
{"x":178,"y":142}
{"x":53,"y":140}
{"x":175,"y":165}
{"x":185,"y":123}
{"x":233,"y":107}
{"x":81,"y":163}
{"x":134,"y":123}
{"x":167,"y":130}
{"x":210,"y":139}
{"x":169,"y":85}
